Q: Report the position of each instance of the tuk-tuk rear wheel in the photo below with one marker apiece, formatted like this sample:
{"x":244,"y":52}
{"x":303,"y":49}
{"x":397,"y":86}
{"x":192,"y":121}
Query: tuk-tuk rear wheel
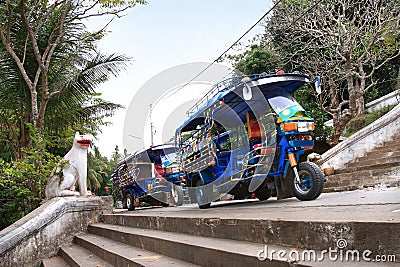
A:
{"x":129,"y":202}
{"x":177,"y":195}
{"x":199,"y":196}
{"x":263,"y":193}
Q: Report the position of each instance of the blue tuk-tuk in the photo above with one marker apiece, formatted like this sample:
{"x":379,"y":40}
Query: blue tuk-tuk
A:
{"x":245,"y":137}
{"x":152,"y":176}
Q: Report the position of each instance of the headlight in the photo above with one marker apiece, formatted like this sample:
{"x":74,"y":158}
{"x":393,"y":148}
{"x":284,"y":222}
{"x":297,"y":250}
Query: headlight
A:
{"x":301,"y":127}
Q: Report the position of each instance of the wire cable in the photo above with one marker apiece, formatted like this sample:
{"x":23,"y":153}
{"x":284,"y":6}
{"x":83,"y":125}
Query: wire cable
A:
{"x":238,"y":40}
{"x":302,"y":15}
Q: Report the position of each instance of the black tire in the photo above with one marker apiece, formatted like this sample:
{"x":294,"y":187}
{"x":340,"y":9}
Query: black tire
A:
{"x":164,"y":204}
{"x":177,"y":195}
{"x":205,"y":206}
{"x":312,"y":181}
{"x":129,"y":202}
{"x":199,"y":197}
{"x":124,"y":202}
{"x":241,"y":194}
{"x":263,"y":193}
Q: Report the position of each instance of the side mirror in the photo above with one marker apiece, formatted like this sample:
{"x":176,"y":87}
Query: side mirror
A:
{"x":318,"y":85}
{"x":247,"y":94}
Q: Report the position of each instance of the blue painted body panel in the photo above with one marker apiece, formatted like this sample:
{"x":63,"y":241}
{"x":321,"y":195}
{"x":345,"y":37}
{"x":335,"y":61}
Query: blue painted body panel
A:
{"x":280,"y":84}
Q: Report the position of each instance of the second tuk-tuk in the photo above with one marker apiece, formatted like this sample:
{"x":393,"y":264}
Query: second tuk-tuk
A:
{"x":149,"y":176}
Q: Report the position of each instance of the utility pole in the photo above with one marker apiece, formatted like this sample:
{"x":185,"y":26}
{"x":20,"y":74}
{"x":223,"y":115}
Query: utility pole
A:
{"x":151,"y":125}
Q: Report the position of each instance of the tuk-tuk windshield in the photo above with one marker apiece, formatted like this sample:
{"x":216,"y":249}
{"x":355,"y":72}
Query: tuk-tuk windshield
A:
{"x":169,"y":159}
{"x":284,"y":104}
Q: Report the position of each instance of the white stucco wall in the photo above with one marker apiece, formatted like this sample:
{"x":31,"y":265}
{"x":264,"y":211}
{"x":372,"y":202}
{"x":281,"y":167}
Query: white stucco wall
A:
{"x":363,"y":141}
{"x":389,"y":99}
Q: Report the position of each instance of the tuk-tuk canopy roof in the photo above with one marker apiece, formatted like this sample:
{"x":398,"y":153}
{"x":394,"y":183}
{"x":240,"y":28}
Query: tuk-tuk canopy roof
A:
{"x":234,"y":108}
{"x":151,"y":154}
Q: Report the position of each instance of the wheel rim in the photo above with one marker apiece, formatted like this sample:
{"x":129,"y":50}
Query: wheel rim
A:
{"x":128,"y":202}
{"x":174,"y":194}
{"x":200,"y":195}
{"x":305,"y":184}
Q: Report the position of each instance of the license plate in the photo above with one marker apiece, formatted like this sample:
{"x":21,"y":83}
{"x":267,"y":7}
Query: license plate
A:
{"x":302,"y":127}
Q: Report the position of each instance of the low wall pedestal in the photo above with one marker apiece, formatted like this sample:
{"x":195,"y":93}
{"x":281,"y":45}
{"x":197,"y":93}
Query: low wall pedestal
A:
{"x":39,"y":234}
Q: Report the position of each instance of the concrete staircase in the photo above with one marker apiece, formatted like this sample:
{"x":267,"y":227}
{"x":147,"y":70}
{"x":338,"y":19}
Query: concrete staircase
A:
{"x":101,"y":250}
{"x":380,"y":167}
{"x":188,"y":236}
{"x":117,"y":243}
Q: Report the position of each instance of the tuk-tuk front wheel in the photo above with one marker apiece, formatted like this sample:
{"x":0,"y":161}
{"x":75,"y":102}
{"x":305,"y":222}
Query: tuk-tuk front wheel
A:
{"x":311,"y":181}
{"x":129,"y":202}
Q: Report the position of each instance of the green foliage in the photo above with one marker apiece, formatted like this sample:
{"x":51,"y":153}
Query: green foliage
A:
{"x":115,"y":158}
{"x":120,"y":3}
{"x":386,"y":80}
{"x":363,"y":44}
{"x":365,"y":119}
{"x":100,"y":169}
{"x":255,"y":60}
{"x":258,"y":60}
{"x":305,"y":98}
{"x":66,"y":100}
{"x":69,"y":100}
{"x":22,"y":182}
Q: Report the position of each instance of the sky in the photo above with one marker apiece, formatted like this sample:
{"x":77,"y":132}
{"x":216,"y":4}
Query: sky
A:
{"x":159,"y":36}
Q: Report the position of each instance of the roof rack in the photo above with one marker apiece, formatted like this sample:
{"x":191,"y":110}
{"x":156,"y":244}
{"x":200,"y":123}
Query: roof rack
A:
{"x":221,"y":87}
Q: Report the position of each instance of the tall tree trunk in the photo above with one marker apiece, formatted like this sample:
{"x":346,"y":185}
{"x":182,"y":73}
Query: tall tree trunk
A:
{"x":340,"y":120}
{"x":398,"y":80}
{"x":351,"y":89}
{"x":24,"y":137}
{"x":42,"y":112}
{"x":34,"y":104}
{"x":359,"y":98}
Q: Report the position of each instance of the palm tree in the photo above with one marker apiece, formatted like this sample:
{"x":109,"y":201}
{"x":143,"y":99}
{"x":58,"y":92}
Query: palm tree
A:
{"x":98,"y":168}
{"x":76,"y":69}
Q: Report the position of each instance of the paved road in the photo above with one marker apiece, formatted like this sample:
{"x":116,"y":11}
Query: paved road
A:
{"x":377,"y":205}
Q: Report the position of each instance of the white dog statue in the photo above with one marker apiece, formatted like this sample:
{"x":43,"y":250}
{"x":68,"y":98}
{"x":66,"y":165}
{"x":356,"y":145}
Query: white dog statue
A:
{"x":72,"y":169}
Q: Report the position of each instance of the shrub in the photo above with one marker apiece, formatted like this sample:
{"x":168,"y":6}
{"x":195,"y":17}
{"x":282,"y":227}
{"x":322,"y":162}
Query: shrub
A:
{"x":365,"y":119}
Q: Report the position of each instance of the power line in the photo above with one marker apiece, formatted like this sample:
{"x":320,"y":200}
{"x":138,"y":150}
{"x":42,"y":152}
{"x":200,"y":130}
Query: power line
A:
{"x":302,"y":14}
{"x":386,"y":81}
{"x":238,"y":40}
{"x":244,"y":34}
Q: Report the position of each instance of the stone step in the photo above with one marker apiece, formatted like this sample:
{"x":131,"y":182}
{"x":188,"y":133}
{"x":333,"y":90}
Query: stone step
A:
{"x":301,"y":235}
{"x":387,"y":148}
{"x":377,"y":170}
{"x":295,"y":231}
{"x":361,"y":184}
{"x":76,"y":256}
{"x":373,"y":161}
{"x":208,"y":251}
{"x":393,"y":142}
{"x":369,"y":177}
{"x":380,"y":167}
{"x":123,"y":254}
{"x":203,"y":251}
{"x":54,"y":262}
{"x":375,"y":166}
{"x":379,"y":155}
